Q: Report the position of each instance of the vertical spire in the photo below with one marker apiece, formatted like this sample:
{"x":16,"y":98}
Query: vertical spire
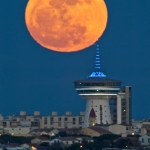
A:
{"x":97,"y":59}
{"x":97,"y":73}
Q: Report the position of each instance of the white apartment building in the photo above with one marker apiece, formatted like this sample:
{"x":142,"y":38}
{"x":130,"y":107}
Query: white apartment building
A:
{"x":65,"y":121}
{"x":26,"y":122}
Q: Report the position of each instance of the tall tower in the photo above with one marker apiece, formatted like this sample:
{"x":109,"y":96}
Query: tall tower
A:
{"x":107,"y":102}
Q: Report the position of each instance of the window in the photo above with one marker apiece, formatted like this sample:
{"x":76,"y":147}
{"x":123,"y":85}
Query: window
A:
{"x":72,"y":142}
{"x":36,"y":119}
{"x":66,"y":119}
{"x":59,"y":124}
{"x":66,"y":124}
{"x":52,"y":119}
{"x":73,"y":119}
{"x":142,"y":140}
{"x":59,"y":119}
{"x":148,"y":140}
{"x":80,"y":118}
{"x":4,"y":123}
{"x":34,"y":124}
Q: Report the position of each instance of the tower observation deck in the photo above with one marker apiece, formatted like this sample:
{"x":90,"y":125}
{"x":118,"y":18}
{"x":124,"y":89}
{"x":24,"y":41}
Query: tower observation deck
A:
{"x":107,"y":101}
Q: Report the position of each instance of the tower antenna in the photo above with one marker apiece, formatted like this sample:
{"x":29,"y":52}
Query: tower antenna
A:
{"x":97,"y":73}
{"x":97,"y":59}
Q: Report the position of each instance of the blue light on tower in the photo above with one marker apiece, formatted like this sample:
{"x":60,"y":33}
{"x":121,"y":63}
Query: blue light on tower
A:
{"x":97,"y":73}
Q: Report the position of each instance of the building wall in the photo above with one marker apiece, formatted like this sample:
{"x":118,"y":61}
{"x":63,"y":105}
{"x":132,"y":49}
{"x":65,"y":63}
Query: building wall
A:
{"x":67,"y":121}
{"x":54,"y":141}
{"x":70,"y":142}
{"x":38,"y":141}
{"x":101,"y":107}
{"x":144,"y":140}
{"x":87,"y":131}
{"x":124,"y":97}
{"x":37,"y":121}
{"x":18,"y":130}
{"x":128,"y":104}
{"x":117,"y":129}
{"x":16,"y":148}
{"x":143,"y":131}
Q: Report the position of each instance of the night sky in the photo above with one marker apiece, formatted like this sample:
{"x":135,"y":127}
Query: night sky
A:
{"x":34,"y":78}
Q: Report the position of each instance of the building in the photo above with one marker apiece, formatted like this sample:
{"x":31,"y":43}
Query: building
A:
{"x":117,"y":129}
{"x":31,"y":146}
{"x":144,"y":140}
{"x":18,"y":130}
{"x":23,"y":122}
{"x":65,"y":121}
{"x":67,"y":141}
{"x":13,"y":147}
{"x":39,"y":140}
{"x":38,"y":132}
{"x":94,"y":131}
{"x":107,"y":101}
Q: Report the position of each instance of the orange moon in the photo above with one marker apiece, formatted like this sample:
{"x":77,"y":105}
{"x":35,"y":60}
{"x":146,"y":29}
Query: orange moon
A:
{"x":66,"y":25}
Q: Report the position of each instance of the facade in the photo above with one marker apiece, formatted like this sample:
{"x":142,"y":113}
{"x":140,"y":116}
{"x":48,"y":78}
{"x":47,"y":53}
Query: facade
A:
{"x":107,"y":101}
{"x":22,"y":120}
{"x":2,"y":147}
{"x":35,"y":121}
{"x":144,"y":140}
{"x":31,"y":146}
{"x":65,"y":121}
{"x":38,"y":132}
{"x":18,"y":130}
{"x":117,"y":129}
{"x":94,"y":131}
{"x":67,"y":141}
{"x":39,"y":140}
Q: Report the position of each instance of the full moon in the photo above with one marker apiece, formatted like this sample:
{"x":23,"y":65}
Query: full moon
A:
{"x":66,"y":25}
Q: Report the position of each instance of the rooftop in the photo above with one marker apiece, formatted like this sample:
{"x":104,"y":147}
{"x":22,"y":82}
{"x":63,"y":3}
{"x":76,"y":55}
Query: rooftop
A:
{"x":100,"y":130}
{"x":43,"y":138}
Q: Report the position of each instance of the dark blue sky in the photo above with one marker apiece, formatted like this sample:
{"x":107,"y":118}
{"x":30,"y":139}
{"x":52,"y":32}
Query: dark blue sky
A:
{"x":33,"y":78}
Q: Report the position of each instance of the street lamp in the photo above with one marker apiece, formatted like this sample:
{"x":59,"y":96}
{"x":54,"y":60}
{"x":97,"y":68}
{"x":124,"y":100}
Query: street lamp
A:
{"x":132,"y":133}
{"x":80,"y":146}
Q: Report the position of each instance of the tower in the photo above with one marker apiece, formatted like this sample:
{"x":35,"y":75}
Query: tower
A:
{"x":107,"y":102}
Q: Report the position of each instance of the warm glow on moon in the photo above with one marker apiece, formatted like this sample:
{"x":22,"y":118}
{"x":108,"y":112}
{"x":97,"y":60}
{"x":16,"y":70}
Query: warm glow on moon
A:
{"x":66,"y":25}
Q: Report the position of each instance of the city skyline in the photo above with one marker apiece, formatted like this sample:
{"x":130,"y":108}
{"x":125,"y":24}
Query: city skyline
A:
{"x":33,"y":78}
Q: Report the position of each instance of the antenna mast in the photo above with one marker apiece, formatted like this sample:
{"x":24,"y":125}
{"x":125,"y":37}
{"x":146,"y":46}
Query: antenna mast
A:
{"x":97,"y":73}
